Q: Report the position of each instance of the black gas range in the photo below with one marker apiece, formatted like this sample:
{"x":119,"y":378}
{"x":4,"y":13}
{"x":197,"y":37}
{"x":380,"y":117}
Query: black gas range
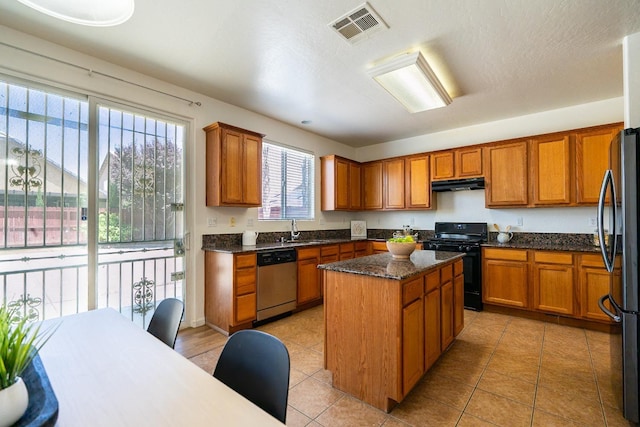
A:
{"x":463,"y":237}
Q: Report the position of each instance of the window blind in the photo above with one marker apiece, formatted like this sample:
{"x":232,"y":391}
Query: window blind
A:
{"x":287,"y":183}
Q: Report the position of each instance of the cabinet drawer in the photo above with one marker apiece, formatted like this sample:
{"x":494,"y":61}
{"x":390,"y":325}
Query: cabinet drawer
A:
{"x":245,"y":281}
{"x":326,"y":259}
{"x":328,"y":250}
{"x":458,"y":268}
{"x":346,"y":247}
{"x":596,"y":261}
{"x":505,"y":254}
{"x":361,"y":246}
{"x":411,"y":291}
{"x":308,"y":253}
{"x":553,"y":258}
{"x":446,"y":273}
{"x":245,"y":308}
{"x":245,"y":260}
{"x":379,"y":246}
{"x":432,"y":281}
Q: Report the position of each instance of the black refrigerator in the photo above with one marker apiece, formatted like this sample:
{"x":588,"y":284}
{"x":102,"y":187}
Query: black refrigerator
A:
{"x":618,"y":207}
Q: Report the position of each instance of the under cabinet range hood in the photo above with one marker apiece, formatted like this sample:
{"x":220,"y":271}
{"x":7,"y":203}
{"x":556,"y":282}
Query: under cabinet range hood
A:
{"x":458,"y":184}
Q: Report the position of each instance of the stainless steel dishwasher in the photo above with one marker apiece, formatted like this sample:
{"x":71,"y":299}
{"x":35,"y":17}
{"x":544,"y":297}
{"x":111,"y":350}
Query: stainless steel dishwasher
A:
{"x":277,"y":283}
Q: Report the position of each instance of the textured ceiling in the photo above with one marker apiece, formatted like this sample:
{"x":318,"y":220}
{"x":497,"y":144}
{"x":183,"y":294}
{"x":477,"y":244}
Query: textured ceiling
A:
{"x":497,"y":58}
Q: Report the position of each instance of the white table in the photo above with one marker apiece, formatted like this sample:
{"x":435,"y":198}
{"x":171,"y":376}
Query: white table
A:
{"x":106,"y":371}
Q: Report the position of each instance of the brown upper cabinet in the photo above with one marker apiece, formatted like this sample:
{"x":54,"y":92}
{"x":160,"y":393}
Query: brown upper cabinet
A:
{"x":372,"y":185}
{"x":393,"y":183}
{"x":397,"y":183}
{"x":559,"y":169}
{"x":506,"y":174}
{"x":458,"y":163}
{"x":442,"y":165}
{"x":551,"y":170}
{"x":468,"y":162}
{"x":592,"y":159}
{"x":340,"y":184}
{"x":417,"y":192}
{"x":234,"y":166}
{"x":355,"y":185}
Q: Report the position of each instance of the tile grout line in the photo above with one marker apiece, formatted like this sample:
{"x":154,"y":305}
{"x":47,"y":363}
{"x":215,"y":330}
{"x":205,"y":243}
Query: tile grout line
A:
{"x":540,"y":356}
{"x":475,"y":387}
{"x":595,"y":377}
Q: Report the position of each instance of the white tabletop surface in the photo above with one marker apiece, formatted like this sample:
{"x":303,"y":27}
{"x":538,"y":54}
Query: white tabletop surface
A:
{"x":106,"y":371}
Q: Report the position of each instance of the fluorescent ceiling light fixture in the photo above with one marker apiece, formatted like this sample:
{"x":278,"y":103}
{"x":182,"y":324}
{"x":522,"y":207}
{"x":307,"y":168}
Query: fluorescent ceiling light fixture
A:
{"x":96,"y":13}
{"x":410,"y":80}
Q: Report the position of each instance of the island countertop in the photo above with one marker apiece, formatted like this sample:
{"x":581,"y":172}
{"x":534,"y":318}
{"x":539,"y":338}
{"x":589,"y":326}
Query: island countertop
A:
{"x":385,"y":266}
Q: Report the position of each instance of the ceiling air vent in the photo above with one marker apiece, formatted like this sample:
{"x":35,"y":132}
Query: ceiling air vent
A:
{"x":359,"y":24}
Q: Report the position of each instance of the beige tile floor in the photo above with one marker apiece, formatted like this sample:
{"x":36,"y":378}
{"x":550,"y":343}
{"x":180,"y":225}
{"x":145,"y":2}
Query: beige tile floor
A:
{"x":501,"y":370}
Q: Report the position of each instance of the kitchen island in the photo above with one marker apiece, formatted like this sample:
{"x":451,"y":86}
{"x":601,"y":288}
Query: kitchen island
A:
{"x":387,"y":321}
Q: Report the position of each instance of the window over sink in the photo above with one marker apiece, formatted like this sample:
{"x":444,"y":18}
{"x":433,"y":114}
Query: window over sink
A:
{"x":287,"y":183}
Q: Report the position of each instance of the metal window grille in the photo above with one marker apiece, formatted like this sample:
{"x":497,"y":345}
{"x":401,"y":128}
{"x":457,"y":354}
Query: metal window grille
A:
{"x":43,"y":177}
{"x":140,"y":177}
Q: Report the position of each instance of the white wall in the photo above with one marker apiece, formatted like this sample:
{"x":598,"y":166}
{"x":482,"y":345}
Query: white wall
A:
{"x":631,"y":62}
{"x":468,"y":206}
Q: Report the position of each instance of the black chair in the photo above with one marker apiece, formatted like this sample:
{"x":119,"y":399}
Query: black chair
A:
{"x":165,"y":321}
{"x":256,"y":365}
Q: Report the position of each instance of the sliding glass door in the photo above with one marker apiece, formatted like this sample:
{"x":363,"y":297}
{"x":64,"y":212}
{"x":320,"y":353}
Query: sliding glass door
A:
{"x":140,"y":211}
{"x":61,"y":254}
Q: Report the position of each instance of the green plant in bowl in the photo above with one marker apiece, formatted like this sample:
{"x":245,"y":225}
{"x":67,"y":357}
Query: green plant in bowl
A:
{"x":20,"y":341}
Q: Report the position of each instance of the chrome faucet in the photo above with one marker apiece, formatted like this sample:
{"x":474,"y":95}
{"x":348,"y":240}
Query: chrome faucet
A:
{"x":294,"y":230}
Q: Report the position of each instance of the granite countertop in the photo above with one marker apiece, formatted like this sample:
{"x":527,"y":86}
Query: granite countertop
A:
{"x":235,"y":248}
{"x":545,"y":246}
{"x":385,"y":266}
{"x":231,"y":243}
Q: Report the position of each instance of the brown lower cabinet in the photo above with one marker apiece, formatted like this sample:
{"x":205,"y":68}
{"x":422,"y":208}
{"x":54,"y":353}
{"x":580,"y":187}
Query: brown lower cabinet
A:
{"x":595,"y":281}
{"x":505,"y":277}
{"x":563,"y":283}
{"x":432,"y":349}
{"x":308,"y":275}
{"x":230,"y":290}
{"x":554,"y":287}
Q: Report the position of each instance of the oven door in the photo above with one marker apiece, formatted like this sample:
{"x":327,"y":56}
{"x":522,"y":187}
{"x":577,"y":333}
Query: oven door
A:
{"x":472,"y":267}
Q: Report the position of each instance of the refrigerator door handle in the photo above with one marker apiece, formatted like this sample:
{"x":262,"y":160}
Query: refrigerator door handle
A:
{"x":606,"y":182}
{"x":606,"y":311}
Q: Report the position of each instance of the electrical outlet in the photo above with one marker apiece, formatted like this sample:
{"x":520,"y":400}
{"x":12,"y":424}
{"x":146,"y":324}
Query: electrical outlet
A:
{"x":593,"y":222}
{"x":412,"y":221}
{"x":519,"y":221}
{"x":232,"y":221}
{"x":212,"y":222}
{"x":321,"y":221}
{"x":250,"y":222}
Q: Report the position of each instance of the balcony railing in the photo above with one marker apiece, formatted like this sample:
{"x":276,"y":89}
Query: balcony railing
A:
{"x":132,"y":281}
